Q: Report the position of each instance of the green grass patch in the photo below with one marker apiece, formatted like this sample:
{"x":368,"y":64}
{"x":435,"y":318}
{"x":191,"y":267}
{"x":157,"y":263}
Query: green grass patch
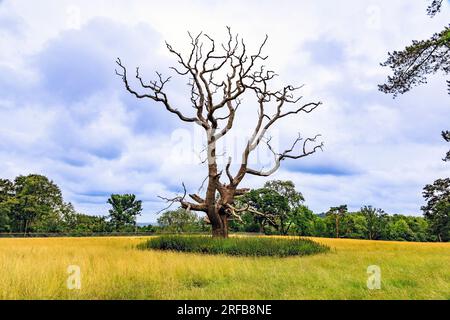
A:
{"x":237,"y":246}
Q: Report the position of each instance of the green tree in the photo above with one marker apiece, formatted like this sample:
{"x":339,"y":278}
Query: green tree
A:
{"x":353,"y":226}
{"x":125,"y":209}
{"x":400,"y":230}
{"x":4,"y":221}
{"x":180,"y":220}
{"x":6,"y":189}
{"x":419,"y":227}
{"x":6,"y":193}
{"x":412,"y":65}
{"x":294,"y":200}
{"x":436,"y":210}
{"x":270,"y":208}
{"x":273,"y":205}
{"x":304,"y":221}
{"x":77,"y":223}
{"x":287,"y":190}
{"x":416,"y":62}
{"x":320,"y":227}
{"x":37,"y":201}
{"x":248,"y":222}
{"x":376,"y":220}
{"x":337,"y":213}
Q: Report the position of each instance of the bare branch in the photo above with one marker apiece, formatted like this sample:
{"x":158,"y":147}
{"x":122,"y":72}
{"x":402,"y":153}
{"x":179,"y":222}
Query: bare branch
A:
{"x":197,"y":198}
{"x":227,"y":168}
{"x":156,"y":91}
{"x":184,"y":204}
{"x":287,"y":155}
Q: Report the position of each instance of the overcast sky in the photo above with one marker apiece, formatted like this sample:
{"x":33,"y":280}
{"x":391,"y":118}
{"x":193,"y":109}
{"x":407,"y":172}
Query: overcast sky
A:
{"x":66,"y":115}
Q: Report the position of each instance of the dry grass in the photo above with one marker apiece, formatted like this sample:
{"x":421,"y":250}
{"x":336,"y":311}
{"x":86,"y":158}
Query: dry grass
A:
{"x":112,"y":268}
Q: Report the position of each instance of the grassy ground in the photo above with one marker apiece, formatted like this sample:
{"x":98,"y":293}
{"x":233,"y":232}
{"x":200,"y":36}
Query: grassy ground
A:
{"x":112,"y":268}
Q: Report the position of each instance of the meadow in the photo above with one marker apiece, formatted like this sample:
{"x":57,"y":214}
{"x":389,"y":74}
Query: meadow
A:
{"x":113,"y":268}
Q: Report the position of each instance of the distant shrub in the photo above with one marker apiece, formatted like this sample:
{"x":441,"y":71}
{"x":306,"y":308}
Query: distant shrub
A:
{"x":236,"y":246}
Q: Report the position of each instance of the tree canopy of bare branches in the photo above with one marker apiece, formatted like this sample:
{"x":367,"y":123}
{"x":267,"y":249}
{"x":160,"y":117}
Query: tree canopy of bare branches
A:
{"x":219,"y":75}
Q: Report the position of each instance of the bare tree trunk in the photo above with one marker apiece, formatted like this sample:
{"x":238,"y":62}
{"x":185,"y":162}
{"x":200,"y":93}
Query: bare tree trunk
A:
{"x":337,"y":227}
{"x":220,"y":230}
{"x":261,"y":228}
{"x":26,"y":227}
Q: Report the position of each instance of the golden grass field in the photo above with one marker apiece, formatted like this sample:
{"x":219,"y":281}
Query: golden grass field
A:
{"x":112,"y":268}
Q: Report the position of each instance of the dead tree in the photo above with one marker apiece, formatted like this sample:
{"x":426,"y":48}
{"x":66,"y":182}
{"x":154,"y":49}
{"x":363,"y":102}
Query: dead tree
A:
{"x":219,"y":75}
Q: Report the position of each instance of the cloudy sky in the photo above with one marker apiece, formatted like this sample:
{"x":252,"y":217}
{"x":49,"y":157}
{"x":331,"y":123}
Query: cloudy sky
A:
{"x":66,"y":115}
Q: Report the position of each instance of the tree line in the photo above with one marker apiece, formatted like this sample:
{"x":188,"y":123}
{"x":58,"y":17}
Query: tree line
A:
{"x":34,"y":204}
{"x":286,"y":214}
